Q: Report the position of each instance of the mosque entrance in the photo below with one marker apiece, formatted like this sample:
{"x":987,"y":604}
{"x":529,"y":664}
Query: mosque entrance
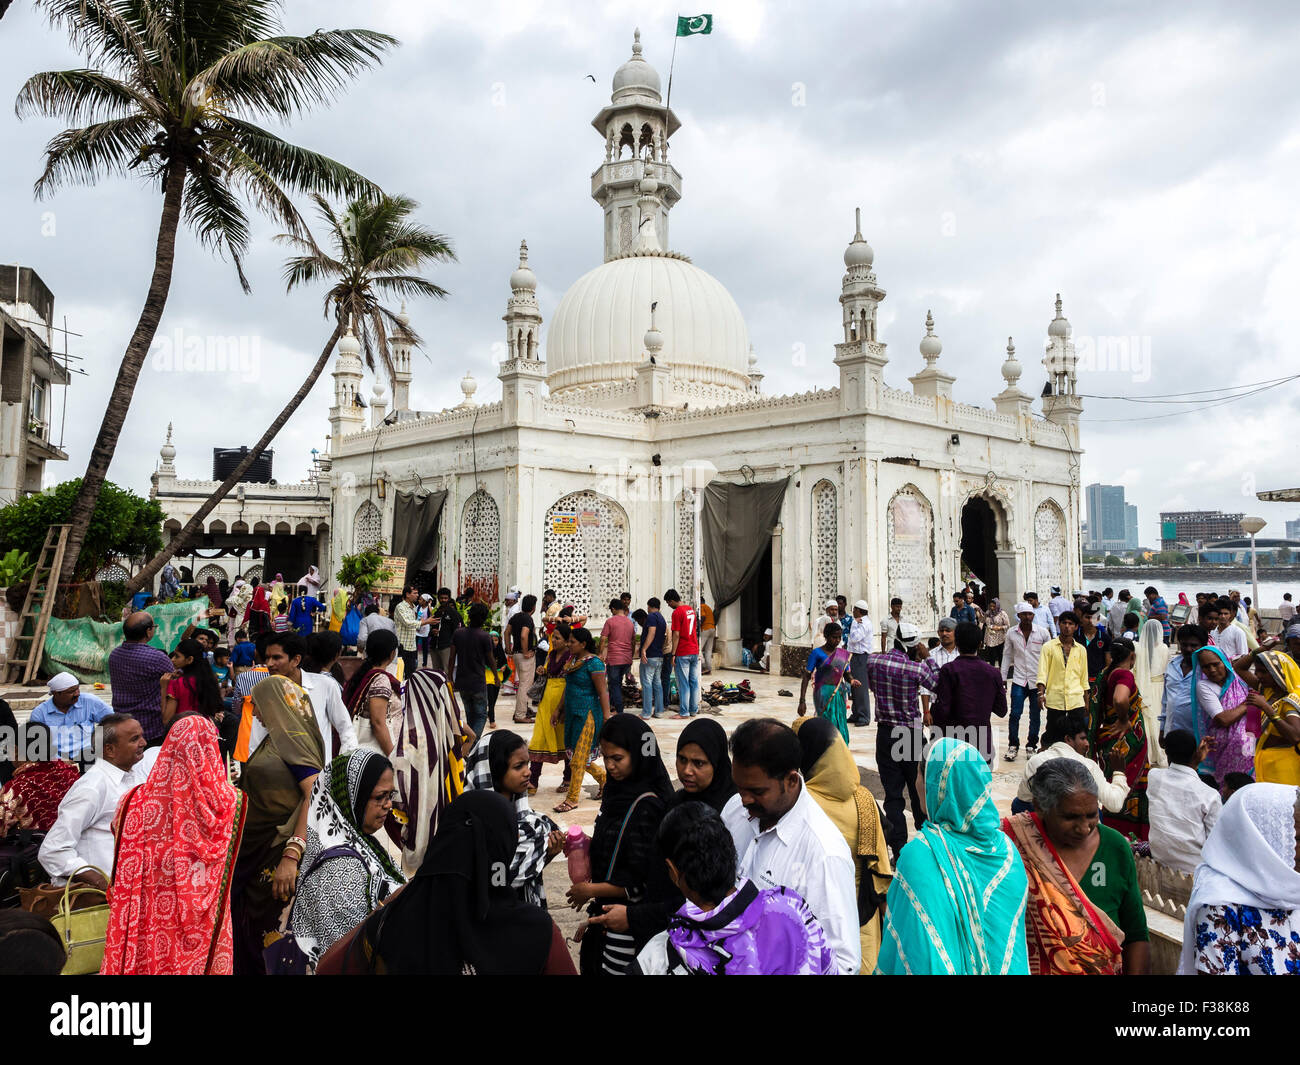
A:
{"x":756,"y":601}
{"x":979,"y":544}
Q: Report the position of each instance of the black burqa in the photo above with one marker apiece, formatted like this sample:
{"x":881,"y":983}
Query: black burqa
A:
{"x":711,"y":738}
{"x":459,"y":913}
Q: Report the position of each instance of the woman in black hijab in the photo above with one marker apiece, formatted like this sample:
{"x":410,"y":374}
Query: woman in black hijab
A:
{"x":625,"y":904}
{"x":703,"y":765}
{"x":459,"y":915}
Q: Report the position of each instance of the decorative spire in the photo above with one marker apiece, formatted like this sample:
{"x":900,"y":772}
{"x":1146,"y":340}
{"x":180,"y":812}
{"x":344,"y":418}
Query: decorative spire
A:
{"x":167,"y":451}
{"x":931,"y":346}
{"x":1011,"y":368}
{"x":1060,"y":325}
{"x":523,"y":280}
{"x":636,"y":41}
{"x":859,"y":252}
{"x":348,"y":343}
{"x":468,"y":386}
{"x":653,"y":339}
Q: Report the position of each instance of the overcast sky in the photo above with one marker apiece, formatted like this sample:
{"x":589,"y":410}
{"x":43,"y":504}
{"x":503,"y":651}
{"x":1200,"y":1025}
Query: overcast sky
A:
{"x":1140,"y":159}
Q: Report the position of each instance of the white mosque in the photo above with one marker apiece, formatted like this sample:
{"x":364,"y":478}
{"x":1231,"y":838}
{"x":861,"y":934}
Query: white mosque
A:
{"x":632,"y":447}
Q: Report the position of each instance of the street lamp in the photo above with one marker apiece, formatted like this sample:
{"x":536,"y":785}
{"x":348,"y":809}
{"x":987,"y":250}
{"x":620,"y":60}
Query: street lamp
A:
{"x":1250,"y":526}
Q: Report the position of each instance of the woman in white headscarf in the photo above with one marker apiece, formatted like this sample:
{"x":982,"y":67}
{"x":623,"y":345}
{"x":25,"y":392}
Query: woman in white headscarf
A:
{"x":1244,"y":914}
{"x":1149,"y":672}
{"x":241,"y":594}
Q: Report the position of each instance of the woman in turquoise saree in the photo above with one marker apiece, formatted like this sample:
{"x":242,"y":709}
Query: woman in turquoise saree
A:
{"x":957,"y":901}
{"x":827,"y":668}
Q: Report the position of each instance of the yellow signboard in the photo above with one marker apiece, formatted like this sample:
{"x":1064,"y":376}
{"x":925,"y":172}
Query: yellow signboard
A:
{"x":564,"y":522}
{"x":397,"y":581}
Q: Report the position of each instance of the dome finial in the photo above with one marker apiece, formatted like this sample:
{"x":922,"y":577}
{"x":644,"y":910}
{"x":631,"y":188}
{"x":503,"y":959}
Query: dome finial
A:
{"x":1011,"y":368}
{"x":931,"y":346}
{"x":1060,"y":325}
{"x":636,"y":41}
{"x":857,"y":223}
{"x":468,"y":386}
{"x":167,"y":451}
{"x":859,"y":252}
{"x":653,"y":339}
{"x":523,"y":279}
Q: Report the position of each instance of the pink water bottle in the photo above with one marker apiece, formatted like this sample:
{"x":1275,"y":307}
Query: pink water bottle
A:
{"x":577,"y":848}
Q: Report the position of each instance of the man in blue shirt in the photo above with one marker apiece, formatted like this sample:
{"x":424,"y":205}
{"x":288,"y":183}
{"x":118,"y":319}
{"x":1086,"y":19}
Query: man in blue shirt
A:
{"x":243,"y":656}
{"x":1176,"y":699}
{"x":962,"y":610}
{"x":71,"y":716}
{"x":653,"y":696}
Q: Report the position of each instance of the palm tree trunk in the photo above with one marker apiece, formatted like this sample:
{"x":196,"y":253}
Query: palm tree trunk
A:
{"x":195,"y":524}
{"x":119,"y":402}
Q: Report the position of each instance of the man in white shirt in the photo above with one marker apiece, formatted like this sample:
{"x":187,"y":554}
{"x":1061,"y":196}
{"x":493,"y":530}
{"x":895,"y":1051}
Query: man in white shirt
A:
{"x":284,"y":655}
{"x":1020,"y":652}
{"x":784,"y":839}
{"x":512,"y":604}
{"x":1058,"y":604}
{"x":1286,"y":611}
{"x":83,"y":833}
{"x":947,"y":650}
{"x":1117,"y":611}
{"x":889,"y":631}
{"x":831,"y":613}
{"x":859,"y":635}
{"x":765,"y":663}
{"x":1228,"y":637}
{"x":1107,"y":602}
{"x":1181,"y":807}
{"x":1042,"y":615}
{"x":1068,"y":738}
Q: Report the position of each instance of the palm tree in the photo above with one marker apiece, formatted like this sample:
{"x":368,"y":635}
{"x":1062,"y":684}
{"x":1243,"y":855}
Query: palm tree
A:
{"x":378,"y":253}
{"x":170,"y":90}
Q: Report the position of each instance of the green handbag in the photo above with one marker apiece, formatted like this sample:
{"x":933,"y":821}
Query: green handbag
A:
{"x":83,"y":931}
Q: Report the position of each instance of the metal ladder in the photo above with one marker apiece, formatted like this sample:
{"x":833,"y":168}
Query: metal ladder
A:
{"x":38,"y":608}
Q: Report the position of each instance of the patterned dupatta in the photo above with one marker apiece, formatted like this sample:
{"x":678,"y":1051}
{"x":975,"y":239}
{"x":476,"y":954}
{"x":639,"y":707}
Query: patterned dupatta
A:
{"x":177,"y":837}
{"x":426,"y":760}
{"x":1067,"y":934}
{"x":832,"y":672}
{"x":1125,"y":735}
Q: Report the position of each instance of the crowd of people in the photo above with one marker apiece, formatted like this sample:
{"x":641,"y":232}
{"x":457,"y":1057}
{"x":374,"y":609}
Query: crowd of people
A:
{"x":259,"y":808}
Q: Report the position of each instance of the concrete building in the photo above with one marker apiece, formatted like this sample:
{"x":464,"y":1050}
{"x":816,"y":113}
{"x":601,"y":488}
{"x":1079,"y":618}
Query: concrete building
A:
{"x":1112,"y":523}
{"x":29,"y":374}
{"x":642,"y":402}
{"x":1182,"y":529}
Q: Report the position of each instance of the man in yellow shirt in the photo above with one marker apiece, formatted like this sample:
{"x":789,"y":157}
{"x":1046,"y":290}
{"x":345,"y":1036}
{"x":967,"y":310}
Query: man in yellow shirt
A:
{"x":1063,"y":670}
{"x":708,"y":631}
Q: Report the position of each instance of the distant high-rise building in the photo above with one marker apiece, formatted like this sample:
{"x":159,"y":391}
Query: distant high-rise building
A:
{"x":1293,"y":529}
{"x":1188,"y":526}
{"x":1112,"y":523}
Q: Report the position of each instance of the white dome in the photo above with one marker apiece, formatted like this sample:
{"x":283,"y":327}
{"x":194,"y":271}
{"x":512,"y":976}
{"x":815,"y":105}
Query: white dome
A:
{"x":1060,"y":325}
{"x":636,"y":77}
{"x":598,"y":330}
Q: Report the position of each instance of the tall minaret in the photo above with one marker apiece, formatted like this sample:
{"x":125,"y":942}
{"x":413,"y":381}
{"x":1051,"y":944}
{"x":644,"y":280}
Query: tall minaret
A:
{"x":860,"y":356}
{"x":522,"y":371}
{"x":347,"y":416}
{"x":399,"y":347}
{"x":636,"y":128}
{"x":1062,"y":405}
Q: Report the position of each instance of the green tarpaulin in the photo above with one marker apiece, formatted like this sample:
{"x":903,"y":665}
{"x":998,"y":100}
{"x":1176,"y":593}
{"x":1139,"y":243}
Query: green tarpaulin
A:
{"x":81,"y":645}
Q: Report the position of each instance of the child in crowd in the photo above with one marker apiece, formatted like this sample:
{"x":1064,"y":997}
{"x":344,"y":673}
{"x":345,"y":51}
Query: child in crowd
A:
{"x":281,"y":622}
{"x":242,"y":657}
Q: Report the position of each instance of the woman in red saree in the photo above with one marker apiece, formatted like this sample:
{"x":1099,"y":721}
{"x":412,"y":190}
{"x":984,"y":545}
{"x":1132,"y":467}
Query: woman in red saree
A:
{"x":177,"y":837}
{"x":41,"y":779}
{"x":257,"y":615}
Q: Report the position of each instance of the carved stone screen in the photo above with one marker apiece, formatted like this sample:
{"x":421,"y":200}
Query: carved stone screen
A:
{"x":367,"y":528}
{"x":911,"y":556}
{"x":481,"y":544}
{"x":685,"y":541}
{"x":584,"y":551}
{"x":826,"y":545}
{"x":1049,"y":549}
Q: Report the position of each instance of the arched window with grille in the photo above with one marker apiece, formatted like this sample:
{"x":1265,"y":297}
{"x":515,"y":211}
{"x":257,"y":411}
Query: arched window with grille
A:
{"x":911,"y":554}
{"x":480,"y":544}
{"x":367,"y":527}
{"x":826,"y":542}
{"x":1049,"y":548}
{"x":585,"y":551}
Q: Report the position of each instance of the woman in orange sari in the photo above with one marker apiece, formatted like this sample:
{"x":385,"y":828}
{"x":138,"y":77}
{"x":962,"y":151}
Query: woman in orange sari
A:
{"x":177,"y":837}
{"x":1076,"y":921}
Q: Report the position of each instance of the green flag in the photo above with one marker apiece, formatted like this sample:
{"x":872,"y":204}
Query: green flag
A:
{"x":690,"y":25}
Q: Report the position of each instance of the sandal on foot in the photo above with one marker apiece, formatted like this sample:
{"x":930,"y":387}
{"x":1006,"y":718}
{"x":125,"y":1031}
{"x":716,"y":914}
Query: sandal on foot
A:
{"x":566,"y":807}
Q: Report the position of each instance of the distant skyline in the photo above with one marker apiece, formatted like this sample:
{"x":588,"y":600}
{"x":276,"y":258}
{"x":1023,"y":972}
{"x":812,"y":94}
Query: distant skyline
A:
{"x":1140,"y":160}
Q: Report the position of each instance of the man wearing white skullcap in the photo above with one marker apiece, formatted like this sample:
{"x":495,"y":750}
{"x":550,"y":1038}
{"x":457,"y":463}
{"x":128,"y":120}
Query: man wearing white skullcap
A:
{"x":70,"y":714}
{"x":830,"y":613}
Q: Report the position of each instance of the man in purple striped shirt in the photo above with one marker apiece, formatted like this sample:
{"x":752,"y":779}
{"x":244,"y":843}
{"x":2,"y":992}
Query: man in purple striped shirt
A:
{"x":896,"y":678}
{"x":135,"y":670}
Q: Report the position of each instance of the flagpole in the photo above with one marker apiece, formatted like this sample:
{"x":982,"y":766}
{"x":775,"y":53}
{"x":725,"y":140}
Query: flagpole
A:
{"x":669,"y":99}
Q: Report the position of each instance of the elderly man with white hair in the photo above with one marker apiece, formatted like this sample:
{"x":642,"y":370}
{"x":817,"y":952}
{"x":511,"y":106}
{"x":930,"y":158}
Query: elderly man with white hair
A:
{"x":71,"y":716}
{"x":830,"y":613}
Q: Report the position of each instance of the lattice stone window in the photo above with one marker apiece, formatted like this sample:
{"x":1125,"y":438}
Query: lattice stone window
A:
{"x":1049,"y":548}
{"x":253,"y":571}
{"x":218,"y":574}
{"x":113,"y":572}
{"x":480,"y":543}
{"x":367,"y":527}
{"x":584,"y":551}
{"x":826,"y":542}
{"x":685,"y":541}
{"x":911,"y":556}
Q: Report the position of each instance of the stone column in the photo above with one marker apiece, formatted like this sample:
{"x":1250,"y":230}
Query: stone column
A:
{"x":778,"y":611}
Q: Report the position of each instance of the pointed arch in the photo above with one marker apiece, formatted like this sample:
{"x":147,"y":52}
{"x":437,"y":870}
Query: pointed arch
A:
{"x":911,"y":554}
{"x":480,"y":544}
{"x":826,"y":541}
{"x":585,"y":551}
{"x":1049,"y":547}
{"x":367,"y":527}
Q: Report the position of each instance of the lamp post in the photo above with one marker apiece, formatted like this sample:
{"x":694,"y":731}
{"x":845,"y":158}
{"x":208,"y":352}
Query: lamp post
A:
{"x":1250,"y":526}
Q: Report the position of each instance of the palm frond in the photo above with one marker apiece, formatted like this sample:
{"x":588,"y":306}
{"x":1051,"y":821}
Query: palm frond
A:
{"x":82,"y":156}
{"x":105,"y":30}
{"x":79,"y":96}
{"x":288,"y":164}
{"x":408,"y":286}
{"x":212,"y":210}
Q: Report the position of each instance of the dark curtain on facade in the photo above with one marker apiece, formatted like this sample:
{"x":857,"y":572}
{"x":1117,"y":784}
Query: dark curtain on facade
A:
{"x":736,"y":525}
{"x":415,"y":530}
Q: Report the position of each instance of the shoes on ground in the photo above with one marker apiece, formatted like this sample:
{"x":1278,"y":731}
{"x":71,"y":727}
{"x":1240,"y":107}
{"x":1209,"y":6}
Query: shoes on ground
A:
{"x":1013,"y":752}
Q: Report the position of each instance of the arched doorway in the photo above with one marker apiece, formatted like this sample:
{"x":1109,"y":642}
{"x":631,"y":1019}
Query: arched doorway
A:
{"x":979,"y":544}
